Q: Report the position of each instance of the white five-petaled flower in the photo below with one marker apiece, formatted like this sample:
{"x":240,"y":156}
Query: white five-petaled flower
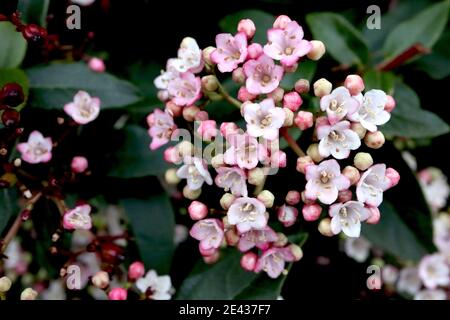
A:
{"x":247,"y":213}
{"x":78,"y":218}
{"x":244,"y":151}
{"x":232,"y":179}
{"x":155,"y":287}
{"x":209,"y":232}
{"x":409,"y":281}
{"x":273,"y":260}
{"x":263,"y":119}
{"x":162,"y":81}
{"x":337,"y":140}
{"x":37,"y":149}
{"x":431,"y":294}
{"x":357,"y":248}
{"x":372,"y":184}
{"x":189,"y":57}
{"x":84,"y":108}
{"x":347,"y":217}
{"x":325,"y":181}
{"x":434,"y":271}
{"x":195,"y":171}
{"x":371,"y":113}
{"x":338,"y":104}
{"x":231,"y":51}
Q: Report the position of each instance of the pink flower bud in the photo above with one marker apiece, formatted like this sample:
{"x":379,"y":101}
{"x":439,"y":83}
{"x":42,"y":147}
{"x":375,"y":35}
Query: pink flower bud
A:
{"x":227,"y":128}
{"x":311,"y":212}
{"x":136,"y":270}
{"x":248,"y":261}
{"x":96,"y":64}
{"x":290,"y":68}
{"x":292,"y":100}
{"x":212,"y":258}
{"x":393,"y":176}
{"x":163,"y":95}
{"x":278,"y":159}
{"x":207,"y":130}
{"x":201,"y":116}
{"x":287,"y":215}
{"x":79,"y":164}
{"x":293,"y":197}
{"x":277,"y":94}
{"x":321,"y":121}
{"x":151,"y":119}
{"x":304,"y":120}
{"x":302,"y":86}
{"x":390,"y":104}
{"x":248,"y":27}
{"x":344,"y":195}
{"x":254,"y":51}
{"x":174,"y":109}
{"x":354,"y":84}
{"x":171,"y":155}
{"x":303,"y":162}
{"x":374,"y":215}
{"x":190,"y":112}
{"x":207,"y":252}
{"x":352,"y":174}
{"x":281,"y":22}
{"x":374,"y":140}
{"x":118,"y":294}
{"x":100,"y":279}
{"x":231,"y":237}
{"x":244,"y":95}
{"x":197,"y":210}
{"x":317,"y":50}
{"x":305,"y":199}
{"x":238,"y":75}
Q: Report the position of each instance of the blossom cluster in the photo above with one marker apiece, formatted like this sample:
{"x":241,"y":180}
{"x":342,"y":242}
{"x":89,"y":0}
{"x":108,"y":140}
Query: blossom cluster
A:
{"x":252,"y":152}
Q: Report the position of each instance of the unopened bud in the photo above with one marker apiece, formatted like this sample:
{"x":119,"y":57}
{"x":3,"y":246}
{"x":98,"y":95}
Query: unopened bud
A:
{"x":254,"y":50}
{"x":100,"y":280}
{"x":281,"y":22}
{"x":302,"y":86}
{"x":311,"y":212}
{"x":244,"y":95}
{"x":231,"y":237}
{"x":191,"y":194}
{"x":136,"y":270}
{"x":325,"y":227}
{"x":206,"y":54}
{"x":344,"y":195}
{"x":190,"y":112}
{"x":174,"y":109}
{"x":293,"y":197}
{"x":267,"y":198}
{"x":303,"y":162}
{"x":313,"y":152}
{"x":287,"y":215}
{"x":185,"y":148}
{"x":282,"y":240}
{"x":363,"y":160}
{"x":210,"y":83}
{"x":227,"y":200}
{"x":297,"y":252}
{"x":118,"y":294}
{"x":390,"y":104}
{"x":289,"y":117}
{"x":218,"y":161}
{"x":248,"y":261}
{"x":28,"y":294}
{"x":359,"y":129}
{"x":354,"y":84}
{"x":248,"y":27}
{"x":213,"y":258}
{"x":197,"y":210}
{"x":238,"y":75}
{"x":304,"y":120}
{"x":5,"y":284}
{"x":322,"y":87}
{"x":256,"y":176}
{"x":277,"y":94}
{"x":374,"y":140}
{"x":352,"y":174}
{"x":374,"y":215}
{"x":393,"y":176}
{"x":317,"y":50}
{"x":292,"y":100}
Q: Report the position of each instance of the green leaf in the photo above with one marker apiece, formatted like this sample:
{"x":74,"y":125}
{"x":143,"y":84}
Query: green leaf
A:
{"x":263,"y":21}
{"x":392,"y":235}
{"x":54,"y":85}
{"x":34,"y":11}
{"x":379,"y":80}
{"x":410,"y":120}
{"x":9,"y":206}
{"x":343,"y":41}
{"x":305,"y":70}
{"x":153,"y":224}
{"x":135,"y":159}
{"x":424,"y":28}
{"x":436,"y":64}
{"x":143,"y":75}
{"x":13,"y":46}
{"x":17,"y":76}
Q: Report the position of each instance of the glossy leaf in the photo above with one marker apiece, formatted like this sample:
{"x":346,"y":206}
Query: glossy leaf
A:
{"x":9,"y":206}
{"x":306,"y":70}
{"x":12,"y":46}
{"x":34,"y":11}
{"x":379,"y":80}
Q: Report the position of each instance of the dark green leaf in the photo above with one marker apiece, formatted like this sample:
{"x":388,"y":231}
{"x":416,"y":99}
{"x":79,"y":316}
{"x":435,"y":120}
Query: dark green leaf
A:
{"x":379,"y":80}
{"x":143,"y":75}
{"x":34,"y":11}
{"x":424,"y":28}
{"x":135,"y":159}
{"x":9,"y":206}
{"x":305,"y":70}
{"x":52,"y":86}
{"x":343,"y":41}
{"x":12,"y":46}
{"x":153,"y":224}
{"x":436,"y":64}
{"x":263,"y":21}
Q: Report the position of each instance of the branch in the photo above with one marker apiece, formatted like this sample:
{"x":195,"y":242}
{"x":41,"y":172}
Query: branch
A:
{"x":414,"y":50}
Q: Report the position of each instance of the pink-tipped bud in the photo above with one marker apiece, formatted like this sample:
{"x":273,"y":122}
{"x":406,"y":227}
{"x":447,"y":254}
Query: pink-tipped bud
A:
{"x":296,"y":251}
{"x":206,"y":55}
{"x":374,"y":140}
{"x":293,"y":197}
{"x":277,"y":94}
{"x":231,"y":237}
{"x":254,"y":51}
{"x":212,"y":258}
{"x":393,"y":176}
{"x":100,"y":280}
{"x":267,"y":198}
{"x":390,"y":104}
{"x":303,"y":162}
{"x":322,"y":87}
{"x":96,"y":64}
{"x":171,"y":155}
{"x":174,"y":109}
{"x":311,"y":212}
{"x":136,"y":270}
{"x":207,"y":130}
{"x":305,"y":199}
{"x":304,"y":120}
{"x":248,"y":27}
{"x":190,"y":112}
{"x":197,"y":210}
{"x":248,"y":261}
{"x":374,"y":215}
{"x":238,"y":75}
{"x":79,"y":164}
{"x":227,"y":128}
{"x":344,"y":195}
{"x":201,"y":116}
{"x":118,"y":294}
{"x":321,"y":121}
{"x":163,"y":95}
{"x":302,"y":86}
{"x":352,"y":174}
{"x":292,"y":100}
{"x":287,"y":215}
{"x":278,"y":159}
{"x":281,"y":21}
{"x":317,"y":50}
{"x":363,"y":161}
{"x":244,"y":95}
{"x":290,"y":68}
{"x":354,"y":84}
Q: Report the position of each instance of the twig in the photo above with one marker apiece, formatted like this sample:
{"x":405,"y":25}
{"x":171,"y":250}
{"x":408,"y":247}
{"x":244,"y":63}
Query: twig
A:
{"x":291,"y":142}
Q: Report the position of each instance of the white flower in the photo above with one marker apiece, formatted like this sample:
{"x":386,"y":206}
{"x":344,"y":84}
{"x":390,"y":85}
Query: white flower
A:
{"x":232,"y":179}
{"x":435,"y":187}
{"x":428,"y":294}
{"x":189,"y":57}
{"x":246,"y":214}
{"x":162,"y":81}
{"x":434,"y":271}
{"x":389,"y":274}
{"x":195,"y":171}
{"x":78,"y":218}
{"x":263,"y":119}
{"x":357,"y":248}
{"x":37,"y":149}
{"x":371,"y":113}
{"x":338,"y":104}
{"x":244,"y":151}
{"x":441,"y":233}
{"x":84,"y":108}
{"x":347,"y":217}
{"x":372,"y":184}
{"x":337,"y":140}
{"x":409,"y":281}
{"x":154,"y":286}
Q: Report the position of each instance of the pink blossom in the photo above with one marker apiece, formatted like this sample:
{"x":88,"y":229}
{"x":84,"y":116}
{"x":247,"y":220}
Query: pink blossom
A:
{"x":287,"y":215}
{"x":273,"y":260}
{"x":232,"y":179}
{"x":338,"y":104}
{"x":292,"y":100}
{"x":207,"y":130}
{"x":248,"y":261}
{"x":347,"y":217}
{"x":195,"y":171}
{"x":78,"y":218}
{"x":325,"y":181}
{"x":230,"y":52}
{"x":209,"y":232}
{"x":96,"y":64}
{"x":263,"y":119}
{"x":311,"y":212}
{"x":79,"y":164}
{"x":84,"y":108}
{"x":263,"y":76}
{"x":118,"y":294}
{"x":372,"y":184}
{"x":197,"y":210}
{"x":337,"y":140}
{"x":247,"y":213}
{"x":161,"y":128}
{"x":287,"y":44}
{"x":136,"y":270}
{"x":257,"y":238}
{"x":37,"y":149}
{"x":245,"y":151}
{"x":185,"y":90}
{"x":304,"y":120}
{"x":227,"y":128}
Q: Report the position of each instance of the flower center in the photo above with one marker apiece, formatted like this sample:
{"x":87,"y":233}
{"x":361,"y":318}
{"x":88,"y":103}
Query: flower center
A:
{"x":325,"y":177}
{"x":336,"y":136}
{"x":266,"y":79}
{"x":288,"y":50}
{"x":266,"y":121}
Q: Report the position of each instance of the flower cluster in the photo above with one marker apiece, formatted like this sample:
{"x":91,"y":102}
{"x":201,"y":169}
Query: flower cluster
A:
{"x":251,"y":148}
